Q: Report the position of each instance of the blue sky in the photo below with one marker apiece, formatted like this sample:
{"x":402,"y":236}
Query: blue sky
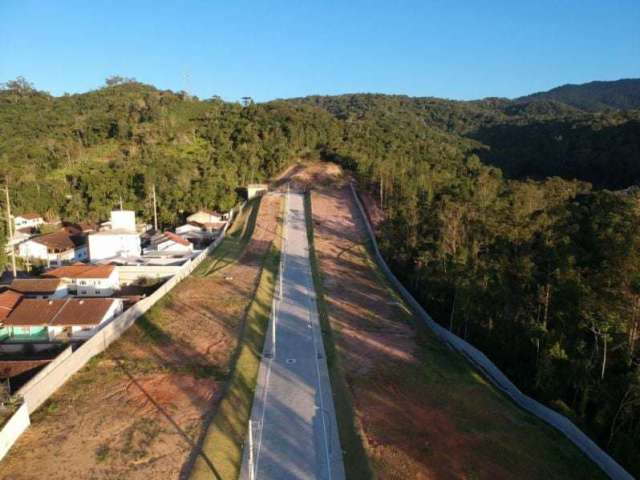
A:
{"x":277,"y":49}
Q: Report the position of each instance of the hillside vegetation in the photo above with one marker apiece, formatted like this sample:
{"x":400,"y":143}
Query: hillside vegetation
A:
{"x":594,"y":96}
{"x":497,"y":213}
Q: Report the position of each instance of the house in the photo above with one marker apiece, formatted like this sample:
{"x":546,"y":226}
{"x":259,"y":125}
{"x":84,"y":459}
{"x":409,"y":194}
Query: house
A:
{"x":170,"y":242}
{"x":28,"y":220}
{"x":19,"y":236}
{"x":120,"y":240}
{"x":255,"y":189}
{"x":40,"y":287}
{"x":65,"y":245}
{"x":61,"y":319}
{"x":207,"y":216}
{"x":8,"y":301}
{"x":88,"y":280}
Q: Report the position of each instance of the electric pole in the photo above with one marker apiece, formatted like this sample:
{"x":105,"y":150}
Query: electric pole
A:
{"x":10,"y":226}
{"x":155,"y":210}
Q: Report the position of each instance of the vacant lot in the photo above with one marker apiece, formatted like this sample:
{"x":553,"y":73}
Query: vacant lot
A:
{"x":423,"y":411}
{"x":136,"y":411}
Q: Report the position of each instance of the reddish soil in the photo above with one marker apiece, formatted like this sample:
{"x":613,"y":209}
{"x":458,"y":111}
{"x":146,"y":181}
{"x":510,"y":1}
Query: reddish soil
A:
{"x":424,"y":413}
{"x":136,"y":411}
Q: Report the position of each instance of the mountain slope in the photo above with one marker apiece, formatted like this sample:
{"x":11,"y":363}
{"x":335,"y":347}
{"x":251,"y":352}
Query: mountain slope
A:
{"x":594,"y":96}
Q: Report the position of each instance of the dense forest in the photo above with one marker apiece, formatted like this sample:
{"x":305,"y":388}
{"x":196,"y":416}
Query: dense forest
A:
{"x":517,"y":224}
{"x":594,"y":96}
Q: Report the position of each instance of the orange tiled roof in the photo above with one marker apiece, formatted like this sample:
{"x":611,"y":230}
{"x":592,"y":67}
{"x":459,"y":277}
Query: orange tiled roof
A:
{"x":35,"y":285}
{"x":81,"y":271}
{"x":65,"y":312}
{"x":8,"y":300}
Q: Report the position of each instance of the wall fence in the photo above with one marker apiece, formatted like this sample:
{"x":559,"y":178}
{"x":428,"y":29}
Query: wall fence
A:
{"x":492,"y":372}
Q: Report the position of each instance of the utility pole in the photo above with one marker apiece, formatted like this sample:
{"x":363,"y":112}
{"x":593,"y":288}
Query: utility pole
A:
{"x":155,"y":210}
{"x":120,"y":202}
{"x":10,"y":226}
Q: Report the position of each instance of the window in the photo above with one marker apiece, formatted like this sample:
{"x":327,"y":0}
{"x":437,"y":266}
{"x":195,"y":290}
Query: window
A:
{"x":97,"y":292}
{"x":83,"y":282}
{"x":83,"y":292}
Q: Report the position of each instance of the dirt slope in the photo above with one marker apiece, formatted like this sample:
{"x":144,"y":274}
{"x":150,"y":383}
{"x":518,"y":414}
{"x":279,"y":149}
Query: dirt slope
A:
{"x":135,"y":411}
{"x":425,"y":413}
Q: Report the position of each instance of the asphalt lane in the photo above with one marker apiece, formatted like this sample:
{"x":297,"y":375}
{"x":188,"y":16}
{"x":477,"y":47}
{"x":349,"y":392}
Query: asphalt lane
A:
{"x":294,"y":430}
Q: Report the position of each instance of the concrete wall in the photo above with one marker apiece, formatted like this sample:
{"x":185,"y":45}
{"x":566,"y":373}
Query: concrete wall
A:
{"x":493,"y":373}
{"x":12,"y":430}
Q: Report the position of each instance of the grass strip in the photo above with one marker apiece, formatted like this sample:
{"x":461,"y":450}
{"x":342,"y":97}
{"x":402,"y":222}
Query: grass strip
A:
{"x":235,"y":241}
{"x":221,"y":455}
{"x":356,"y":461}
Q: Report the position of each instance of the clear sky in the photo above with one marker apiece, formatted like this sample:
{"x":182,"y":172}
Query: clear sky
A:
{"x":277,"y":49}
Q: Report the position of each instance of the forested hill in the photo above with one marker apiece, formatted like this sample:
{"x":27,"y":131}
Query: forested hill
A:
{"x":538,"y":139}
{"x":594,"y":96}
{"x":497,"y":213}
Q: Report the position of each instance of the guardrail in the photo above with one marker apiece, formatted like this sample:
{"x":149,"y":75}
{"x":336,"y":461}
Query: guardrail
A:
{"x":491,"y":371}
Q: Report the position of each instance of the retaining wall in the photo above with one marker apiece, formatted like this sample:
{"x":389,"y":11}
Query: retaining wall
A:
{"x":493,"y":373}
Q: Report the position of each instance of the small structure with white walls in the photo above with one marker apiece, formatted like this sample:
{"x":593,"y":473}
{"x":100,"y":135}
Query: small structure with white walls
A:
{"x":255,"y":189}
{"x":88,"y":280}
{"x":120,"y":240}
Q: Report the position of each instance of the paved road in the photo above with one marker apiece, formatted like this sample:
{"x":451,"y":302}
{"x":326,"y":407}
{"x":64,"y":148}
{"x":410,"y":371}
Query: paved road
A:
{"x":295,"y":434}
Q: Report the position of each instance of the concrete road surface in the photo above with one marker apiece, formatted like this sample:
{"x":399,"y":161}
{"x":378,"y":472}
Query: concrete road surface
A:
{"x":294,"y":431}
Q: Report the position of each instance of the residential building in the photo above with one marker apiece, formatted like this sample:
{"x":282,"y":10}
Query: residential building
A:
{"x":63,"y":319}
{"x":65,"y":245}
{"x":120,"y":239}
{"x":40,"y":287}
{"x":28,"y":220}
{"x":170,"y":242}
{"x":88,"y":280}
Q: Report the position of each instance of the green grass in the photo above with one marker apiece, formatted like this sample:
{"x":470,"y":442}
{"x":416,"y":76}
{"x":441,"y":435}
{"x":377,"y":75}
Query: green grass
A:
{"x":356,"y":462}
{"x":222,"y":447}
{"x":235,"y":241}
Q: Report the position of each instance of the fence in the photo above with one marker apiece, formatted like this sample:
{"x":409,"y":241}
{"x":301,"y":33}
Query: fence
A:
{"x":493,"y":373}
{"x":35,"y":392}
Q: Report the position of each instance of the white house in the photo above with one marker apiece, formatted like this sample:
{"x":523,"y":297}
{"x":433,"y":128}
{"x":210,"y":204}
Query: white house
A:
{"x":121,"y":240}
{"x":207,"y":216}
{"x":48,"y":288}
{"x":62,"y":319}
{"x":170,"y":242}
{"x":88,"y":280}
{"x":28,"y":220}
{"x":62,"y":246}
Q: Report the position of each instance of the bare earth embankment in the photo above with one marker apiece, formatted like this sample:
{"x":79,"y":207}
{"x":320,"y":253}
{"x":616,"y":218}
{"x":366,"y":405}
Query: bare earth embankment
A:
{"x":136,"y":411}
{"x":423,"y":411}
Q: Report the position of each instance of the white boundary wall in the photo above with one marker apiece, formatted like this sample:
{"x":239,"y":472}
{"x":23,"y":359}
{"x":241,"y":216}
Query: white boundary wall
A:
{"x":35,"y":392}
{"x":493,"y":373}
{"x":14,"y":427}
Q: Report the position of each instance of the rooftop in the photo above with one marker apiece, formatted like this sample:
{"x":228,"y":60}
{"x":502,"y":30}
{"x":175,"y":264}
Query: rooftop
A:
{"x":65,"y":312}
{"x":62,"y":240}
{"x":81,"y":271}
{"x":115,"y":231}
{"x":45,"y":286}
{"x":176,"y":238}
{"x":8,"y":300}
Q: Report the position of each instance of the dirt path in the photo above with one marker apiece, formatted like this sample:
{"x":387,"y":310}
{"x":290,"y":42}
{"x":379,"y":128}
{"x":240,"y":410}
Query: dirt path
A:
{"x":135,"y":411}
{"x":424,"y":412}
